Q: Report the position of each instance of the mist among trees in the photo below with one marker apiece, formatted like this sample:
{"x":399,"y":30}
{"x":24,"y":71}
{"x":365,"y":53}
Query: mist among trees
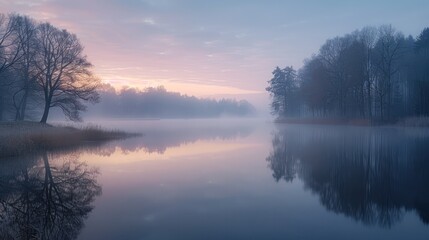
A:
{"x":160,"y":103}
{"x":372,"y":73}
{"x":42,"y":67}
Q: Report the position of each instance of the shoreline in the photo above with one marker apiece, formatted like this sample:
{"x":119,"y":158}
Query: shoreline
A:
{"x":414,"y":122}
{"x":21,"y":138}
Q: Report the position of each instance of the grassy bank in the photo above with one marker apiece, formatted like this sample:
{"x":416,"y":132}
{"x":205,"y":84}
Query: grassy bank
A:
{"x":406,"y":122}
{"x":18,"y":138}
{"x":414,"y":122}
{"x":326,"y":121}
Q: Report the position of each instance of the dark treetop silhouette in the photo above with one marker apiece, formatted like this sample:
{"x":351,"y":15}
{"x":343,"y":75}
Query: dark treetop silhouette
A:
{"x":42,"y":66}
{"x":372,"y":73}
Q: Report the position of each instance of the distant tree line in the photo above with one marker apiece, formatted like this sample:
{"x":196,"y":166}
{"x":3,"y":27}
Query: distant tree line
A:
{"x":42,"y":67}
{"x":160,"y":103}
{"x":372,"y":73}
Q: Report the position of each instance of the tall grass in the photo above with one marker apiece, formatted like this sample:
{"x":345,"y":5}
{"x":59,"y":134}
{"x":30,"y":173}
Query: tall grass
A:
{"x":21,"y":138}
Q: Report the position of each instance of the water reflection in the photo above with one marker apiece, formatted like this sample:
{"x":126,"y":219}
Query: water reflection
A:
{"x":158,"y":136}
{"x":374,"y":176}
{"x":49,"y":195}
{"x":46,"y":196}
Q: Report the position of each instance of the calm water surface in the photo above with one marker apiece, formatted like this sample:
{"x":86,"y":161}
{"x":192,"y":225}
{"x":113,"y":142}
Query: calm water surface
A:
{"x":217,"y":179}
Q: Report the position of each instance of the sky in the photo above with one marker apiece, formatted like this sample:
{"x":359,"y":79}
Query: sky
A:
{"x":211,"y":48}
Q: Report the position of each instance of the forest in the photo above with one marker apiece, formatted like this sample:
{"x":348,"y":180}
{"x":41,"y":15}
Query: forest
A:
{"x":157,"y":102}
{"x":374,"y":73}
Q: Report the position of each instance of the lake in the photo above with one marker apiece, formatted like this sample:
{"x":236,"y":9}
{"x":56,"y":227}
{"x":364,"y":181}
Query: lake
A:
{"x":224,"y":179}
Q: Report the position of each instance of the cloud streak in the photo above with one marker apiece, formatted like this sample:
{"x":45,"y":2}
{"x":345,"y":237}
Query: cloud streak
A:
{"x":225,"y":47}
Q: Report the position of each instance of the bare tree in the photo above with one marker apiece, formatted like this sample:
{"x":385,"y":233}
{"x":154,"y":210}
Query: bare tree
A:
{"x":353,"y":61}
{"x":372,"y":73}
{"x":26,"y":37}
{"x":368,"y":37}
{"x":9,"y":49}
{"x":331,"y":55}
{"x":66,"y":79}
{"x":9,"y":54}
{"x":315,"y":88}
{"x":388,"y":51}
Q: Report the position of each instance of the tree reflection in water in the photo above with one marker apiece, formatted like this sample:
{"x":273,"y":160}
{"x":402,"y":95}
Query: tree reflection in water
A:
{"x":374,"y":176}
{"x":40,"y":200}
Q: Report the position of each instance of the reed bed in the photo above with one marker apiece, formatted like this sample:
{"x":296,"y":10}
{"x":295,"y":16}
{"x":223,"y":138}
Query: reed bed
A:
{"x":25,"y":137}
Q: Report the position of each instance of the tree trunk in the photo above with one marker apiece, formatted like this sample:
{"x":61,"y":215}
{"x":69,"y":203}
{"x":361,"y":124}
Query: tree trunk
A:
{"x":1,"y":107}
{"x":362,"y":99}
{"x":369,"y":101}
{"x":45,"y":114}
{"x":381,"y":107}
{"x":285,"y":104}
{"x":23,"y":105}
{"x":17,"y":116}
{"x":46,"y":110}
{"x":389,"y":99}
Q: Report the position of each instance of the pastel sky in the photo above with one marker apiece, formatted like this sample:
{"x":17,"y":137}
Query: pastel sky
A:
{"x":211,"y":47}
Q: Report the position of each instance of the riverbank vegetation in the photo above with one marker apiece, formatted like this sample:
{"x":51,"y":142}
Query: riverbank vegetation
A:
{"x":374,"y":75}
{"x":28,"y":137}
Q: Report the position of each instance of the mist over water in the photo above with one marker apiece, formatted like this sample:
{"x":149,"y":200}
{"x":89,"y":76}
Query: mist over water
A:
{"x":225,"y":179}
{"x":214,"y":120}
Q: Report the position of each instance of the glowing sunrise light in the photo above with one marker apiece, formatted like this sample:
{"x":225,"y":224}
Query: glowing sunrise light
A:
{"x":208,"y":49}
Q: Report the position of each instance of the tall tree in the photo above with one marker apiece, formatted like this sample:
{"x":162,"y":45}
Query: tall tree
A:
{"x":375,"y":73}
{"x":281,"y":88}
{"x":353,"y":61}
{"x":26,"y":39}
{"x":9,"y":54}
{"x":315,"y":88}
{"x":9,"y":49}
{"x":422,"y":65}
{"x":388,"y":52}
{"x":368,"y":37}
{"x":66,"y":79}
{"x":332,"y":56}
